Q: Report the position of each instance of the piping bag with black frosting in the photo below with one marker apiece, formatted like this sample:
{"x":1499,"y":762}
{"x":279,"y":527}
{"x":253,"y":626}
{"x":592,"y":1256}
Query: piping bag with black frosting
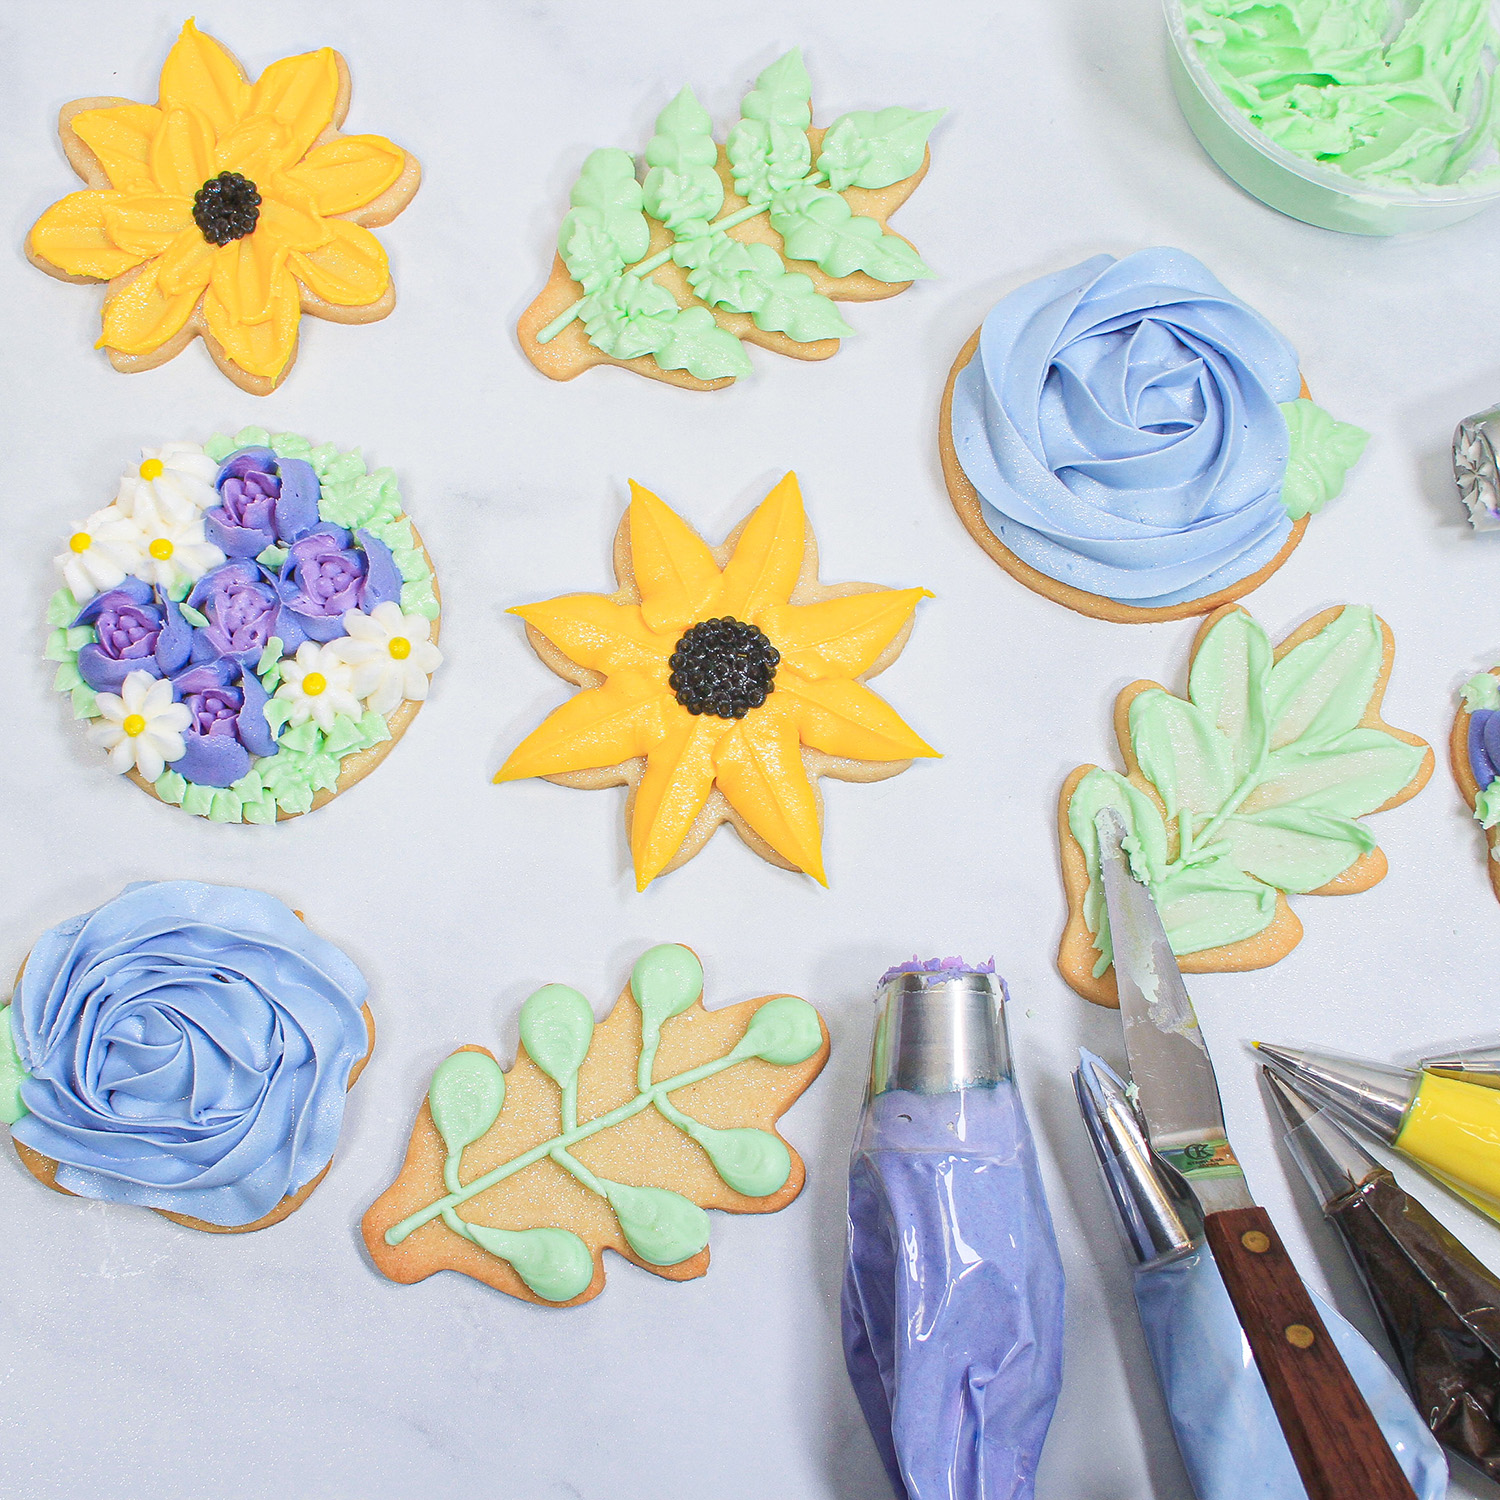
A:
{"x":953,"y":1287}
{"x":1231,"y":1443}
{"x":1440,"y":1306}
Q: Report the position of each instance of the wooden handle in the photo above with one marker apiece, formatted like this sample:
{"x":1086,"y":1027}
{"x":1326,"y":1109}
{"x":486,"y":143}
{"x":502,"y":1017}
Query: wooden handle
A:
{"x":1338,"y":1446}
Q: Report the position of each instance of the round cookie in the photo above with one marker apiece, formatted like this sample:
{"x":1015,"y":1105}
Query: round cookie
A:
{"x":1473,"y":768}
{"x":185,"y":1048}
{"x":1156,"y":438}
{"x":249,"y":626}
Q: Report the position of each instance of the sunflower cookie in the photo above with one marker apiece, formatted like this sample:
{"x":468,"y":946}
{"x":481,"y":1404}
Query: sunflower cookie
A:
{"x":225,"y":211}
{"x":248,"y":626}
{"x":751,"y":241}
{"x":1475,"y":751}
{"x":719,"y":684}
{"x":1130,"y":439}
{"x":186,"y":1048}
{"x":609,"y":1137}
{"x":1245,"y":791}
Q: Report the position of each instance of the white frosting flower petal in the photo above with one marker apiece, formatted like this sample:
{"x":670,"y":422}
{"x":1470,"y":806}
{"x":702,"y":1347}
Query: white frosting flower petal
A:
{"x":100,"y":553}
{"x":141,"y":726}
{"x":175,"y":479}
{"x":391,"y":653}
{"x":174,"y":547}
{"x":318,"y":684}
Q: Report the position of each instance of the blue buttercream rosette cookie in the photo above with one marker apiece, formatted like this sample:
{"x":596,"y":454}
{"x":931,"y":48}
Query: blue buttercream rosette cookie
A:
{"x":1130,"y":438}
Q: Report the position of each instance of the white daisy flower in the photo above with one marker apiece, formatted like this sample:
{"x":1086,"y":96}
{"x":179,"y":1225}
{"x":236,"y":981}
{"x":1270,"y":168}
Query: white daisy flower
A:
{"x":173,"y":545}
{"x":100,"y":553}
{"x":142,"y":725}
{"x":391,"y":654}
{"x":319,"y":685}
{"x":176,"y":479}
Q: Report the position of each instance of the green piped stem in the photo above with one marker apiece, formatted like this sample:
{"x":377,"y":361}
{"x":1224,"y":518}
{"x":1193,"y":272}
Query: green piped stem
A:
{"x":654,"y":262}
{"x":644,"y":1100}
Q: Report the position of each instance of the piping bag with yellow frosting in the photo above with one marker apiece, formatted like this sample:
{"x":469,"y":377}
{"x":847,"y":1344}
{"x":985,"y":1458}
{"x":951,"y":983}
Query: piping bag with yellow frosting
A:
{"x":1439,"y":1305}
{"x":1226,"y":1429}
{"x":953,"y":1287}
{"x":1449,"y":1126}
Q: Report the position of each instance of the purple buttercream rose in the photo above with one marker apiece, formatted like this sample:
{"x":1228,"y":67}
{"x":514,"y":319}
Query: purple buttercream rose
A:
{"x":244,"y":610}
{"x":329,"y":571}
{"x":139,"y":630}
{"x":228,"y":726}
{"x":263,"y":500}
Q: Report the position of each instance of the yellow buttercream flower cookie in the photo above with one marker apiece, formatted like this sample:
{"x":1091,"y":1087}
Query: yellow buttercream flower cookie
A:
{"x":719,"y":684}
{"x":225,"y":211}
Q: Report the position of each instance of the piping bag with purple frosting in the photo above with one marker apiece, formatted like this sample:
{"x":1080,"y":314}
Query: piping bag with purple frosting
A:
{"x":953,"y":1287}
{"x":1231,"y":1443}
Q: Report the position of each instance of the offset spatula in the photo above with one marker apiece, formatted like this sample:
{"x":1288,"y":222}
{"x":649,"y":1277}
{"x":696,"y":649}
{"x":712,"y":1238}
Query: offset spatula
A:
{"x":1337,"y":1445}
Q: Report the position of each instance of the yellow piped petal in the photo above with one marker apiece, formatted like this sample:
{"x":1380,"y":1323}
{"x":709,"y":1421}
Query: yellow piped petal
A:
{"x":72,"y":236}
{"x":186,"y":264}
{"x":299,"y":93}
{"x":291,"y":227}
{"x":597,"y":633}
{"x":262,"y":348}
{"x":182,"y":153}
{"x":769,"y":554}
{"x":147,"y":224}
{"x":839,"y":637}
{"x":600,"y":726}
{"x":675,"y":572}
{"x":350,"y":270}
{"x":200,"y":73}
{"x":120,"y":136}
{"x":349,"y":172}
{"x":840,"y":717}
{"x":758,"y":766}
{"x":244,"y":277}
{"x":139,"y":317}
{"x":679,"y":776}
{"x":257,"y":148}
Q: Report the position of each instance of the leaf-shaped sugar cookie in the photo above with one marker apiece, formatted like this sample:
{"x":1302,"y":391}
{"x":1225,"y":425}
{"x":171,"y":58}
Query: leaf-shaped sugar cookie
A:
{"x":1243,"y":792}
{"x":611,"y":1136}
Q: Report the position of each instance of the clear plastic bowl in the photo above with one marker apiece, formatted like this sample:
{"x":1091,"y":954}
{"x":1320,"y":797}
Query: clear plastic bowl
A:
{"x":1301,"y":188}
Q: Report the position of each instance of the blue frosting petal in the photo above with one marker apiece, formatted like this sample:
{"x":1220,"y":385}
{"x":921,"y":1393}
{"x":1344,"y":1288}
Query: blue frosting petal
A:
{"x":189,"y":1048}
{"x":212,"y":759}
{"x":232,"y":540}
{"x":297,"y":509}
{"x":255,"y":733}
{"x":1120,"y":421}
{"x":383,"y":577}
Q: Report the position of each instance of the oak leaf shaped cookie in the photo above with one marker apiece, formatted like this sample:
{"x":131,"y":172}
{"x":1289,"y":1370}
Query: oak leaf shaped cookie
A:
{"x":616,"y":1135}
{"x":750,"y":241}
{"x":1247,"y":790}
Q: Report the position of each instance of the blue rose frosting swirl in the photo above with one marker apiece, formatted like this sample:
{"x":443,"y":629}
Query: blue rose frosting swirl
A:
{"x":189,"y":1048}
{"x":1121,"y":422}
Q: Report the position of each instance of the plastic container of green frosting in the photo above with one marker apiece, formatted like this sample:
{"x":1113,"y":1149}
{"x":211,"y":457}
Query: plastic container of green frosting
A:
{"x":1308,"y":189}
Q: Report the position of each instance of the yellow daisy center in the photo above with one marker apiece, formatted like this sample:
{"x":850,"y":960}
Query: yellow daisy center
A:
{"x":400,"y":647}
{"x":134,"y":724}
{"x":80,"y":541}
{"x":160,"y":549}
{"x":152,"y":468}
{"x":314,"y":683}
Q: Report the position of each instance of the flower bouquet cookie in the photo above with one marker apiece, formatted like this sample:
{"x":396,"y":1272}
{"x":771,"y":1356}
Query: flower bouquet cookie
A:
{"x":1475,"y":751}
{"x":753,"y":242}
{"x":1130,"y":439}
{"x":608,"y":1136}
{"x":720,"y":684}
{"x":186,"y":1048}
{"x":248,"y":626}
{"x":1249,"y":789}
{"x":225,"y":211}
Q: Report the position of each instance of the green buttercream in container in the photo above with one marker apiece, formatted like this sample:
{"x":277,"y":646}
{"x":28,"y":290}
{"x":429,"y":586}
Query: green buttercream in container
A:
{"x":1367,"y":116}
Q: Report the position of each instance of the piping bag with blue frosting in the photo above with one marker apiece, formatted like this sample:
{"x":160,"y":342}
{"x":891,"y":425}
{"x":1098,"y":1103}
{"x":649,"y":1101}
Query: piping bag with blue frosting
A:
{"x":1231,"y":1443}
{"x":953,"y":1287}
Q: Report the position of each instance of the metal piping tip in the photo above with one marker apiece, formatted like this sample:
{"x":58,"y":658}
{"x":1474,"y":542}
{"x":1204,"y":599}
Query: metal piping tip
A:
{"x":1373,"y":1096}
{"x":1332,"y":1161}
{"x":1479,"y":1065}
{"x":1475,"y":470}
{"x":940,"y":1030}
{"x":1156,"y":1211}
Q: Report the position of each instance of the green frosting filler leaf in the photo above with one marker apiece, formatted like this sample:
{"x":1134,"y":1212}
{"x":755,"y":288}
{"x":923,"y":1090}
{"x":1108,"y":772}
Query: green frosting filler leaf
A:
{"x":273,"y":557}
{"x":682,"y":183}
{"x":193,"y":616}
{"x":874,"y":150}
{"x":290,"y":445}
{"x":820,"y":226}
{"x":661,"y":1226}
{"x":219,"y":447}
{"x":62,"y":608}
{"x":252,"y":437}
{"x":753,"y":1162}
{"x":1487,"y":805}
{"x":466,"y":1096}
{"x":1322,"y":451}
{"x":1262,"y":772}
{"x":12,"y":1073}
{"x":85,"y":704}
{"x":1482,"y":691}
{"x":605,"y":229}
{"x":752,"y":278}
{"x":554,"y":1263}
{"x":170,"y":787}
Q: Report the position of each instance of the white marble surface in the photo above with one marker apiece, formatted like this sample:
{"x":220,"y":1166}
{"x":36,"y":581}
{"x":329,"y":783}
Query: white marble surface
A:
{"x":137,"y":1358}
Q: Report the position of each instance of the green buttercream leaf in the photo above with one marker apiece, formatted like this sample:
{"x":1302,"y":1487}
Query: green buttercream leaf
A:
{"x":273,"y":557}
{"x":1322,"y":452}
{"x":79,"y":636}
{"x":1295,"y":847}
{"x":249,"y":787}
{"x":67,"y":678}
{"x":252,"y":437}
{"x":411,"y":565}
{"x":1352,"y":775}
{"x":1482,"y":691}
{"x":1230,"y":670}
{"x":682,"y":183}
{"x":752,"y":278}
{"x":219,"y":447}
{"x":629,"y":316}
{"x":605,"y":229}
{"x":294,"y":797}
{"x":192,"y":616}
{"x":226,"y":807}
{"x":198,"y":800}
{"x":697,"y":344}
{"x":1487,"y":805}
{"x":85,"y":704}
{"x":345,"y":737}
{"x":874,"y":150}
{"x":557,"y":1029}
{"x":170,"y":787}
{"x":554,"y":1263}
{"x":278,"y":710}
{"x":12,"y":1072}
{"x":661,"y":1226}
{"x":270,"y":656}
{"x":820,"y":226}
{"x":1320,"y":690}
{"x":346,"y":467}
{"x":1212,"y":902}
{"x":305,"y":737}
{"x":290,"y":445}
{"x":418,"y":598}
{"x":62,"y":608}
{"x":321,"y":457}
{"x":179,"y":589}
{"x":782,"y":93}
{"x":373,"y":727}
{"x":466,"y":1096}
{"x":1182,"y":753}
{"x":57,"y":646}
{"x":753,"y":1162}
{"x":262,"y":809}
{"x":767,"y":158}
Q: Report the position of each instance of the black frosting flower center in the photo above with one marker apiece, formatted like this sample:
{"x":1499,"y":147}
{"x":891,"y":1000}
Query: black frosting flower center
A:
{"x":226,"y":208}
{"x":723,"y":667}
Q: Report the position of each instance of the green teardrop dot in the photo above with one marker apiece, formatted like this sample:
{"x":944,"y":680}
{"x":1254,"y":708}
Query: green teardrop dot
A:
{"x":665,"y":981}
{"x":466,"y":1096}
{"x":661,"y":1226}
{"x":753,"y":1162}
{"x":554,"y":1263}
{"x":785,"y":1030}
{"x":557,"y":1027}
